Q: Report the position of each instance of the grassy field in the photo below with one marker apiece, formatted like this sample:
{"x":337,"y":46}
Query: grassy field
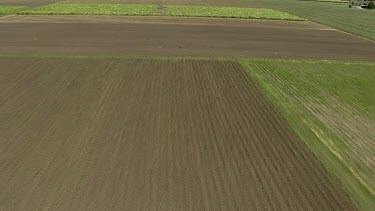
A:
{"x":331,"y":105}
{"x":152,"y":10}
{"x":6,"y":10}
{"x":336,"y":15}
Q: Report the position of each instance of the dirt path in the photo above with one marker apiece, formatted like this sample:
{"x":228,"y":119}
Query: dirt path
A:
{"x":179,"y":37}
{"x":99,"y":134}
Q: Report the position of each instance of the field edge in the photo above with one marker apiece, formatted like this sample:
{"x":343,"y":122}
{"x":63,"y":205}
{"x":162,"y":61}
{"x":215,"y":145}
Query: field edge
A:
{"x":359,"y":194}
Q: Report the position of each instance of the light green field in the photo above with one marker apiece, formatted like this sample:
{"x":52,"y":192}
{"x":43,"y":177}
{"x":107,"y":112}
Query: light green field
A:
{"x":331,"y":106}
{"x":337,"y":15}
{"x":6,"y":10}
{"x":153,"y":10}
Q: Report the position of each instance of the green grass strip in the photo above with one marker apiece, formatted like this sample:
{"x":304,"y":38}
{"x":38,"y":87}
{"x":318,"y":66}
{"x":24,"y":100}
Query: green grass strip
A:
{"x":6,"y":10}
{"x":155,"y":10}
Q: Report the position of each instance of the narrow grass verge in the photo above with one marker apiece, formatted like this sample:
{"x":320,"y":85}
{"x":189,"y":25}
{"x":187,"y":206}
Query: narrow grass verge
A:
{"x":7,"y":10}
{"x":331,"y":106}
{"x":154,"y":10}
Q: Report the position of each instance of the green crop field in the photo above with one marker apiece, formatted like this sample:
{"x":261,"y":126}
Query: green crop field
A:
{"x":337,"y":15}
{"x":6,"y":10}
{"x":228,"y":12}
{"x":93,"y":9}
{"x":153,"y":10}
{"x":331,"y":106}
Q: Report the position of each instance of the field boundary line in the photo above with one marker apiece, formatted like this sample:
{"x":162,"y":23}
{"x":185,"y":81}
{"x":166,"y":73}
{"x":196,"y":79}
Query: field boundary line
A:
{"x":213,"y":58}
{"x":360,"y":194}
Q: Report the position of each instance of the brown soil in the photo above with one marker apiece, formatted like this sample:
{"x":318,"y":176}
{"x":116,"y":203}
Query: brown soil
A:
{"x":99,"y":134}
{"x":225,"y":3}
{"x":179,"y":37}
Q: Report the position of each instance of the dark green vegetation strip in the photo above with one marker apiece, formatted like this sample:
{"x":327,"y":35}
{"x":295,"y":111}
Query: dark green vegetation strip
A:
{"x":153,"y":10}
{"x":340,"y":16}
{"x":331,"y":106}
{"x":6,"y":10}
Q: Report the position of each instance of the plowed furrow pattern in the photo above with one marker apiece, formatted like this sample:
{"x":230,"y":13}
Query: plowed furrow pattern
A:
{"x":103,"y":134}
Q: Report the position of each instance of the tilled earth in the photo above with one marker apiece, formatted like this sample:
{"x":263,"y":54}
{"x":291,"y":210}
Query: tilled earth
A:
{"x":225,"y":3}
{"x":163,"y":36}
{"x":101,"y":134}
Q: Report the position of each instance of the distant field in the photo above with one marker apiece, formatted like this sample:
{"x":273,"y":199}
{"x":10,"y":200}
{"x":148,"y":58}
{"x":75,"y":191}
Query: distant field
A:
{"x":227,"y":3}
{"x":93,"y":9}
{"x":6,"y":10}
{"x":337,"y":15}
{"x":228,"y":12}
{"x":331,"y":105}
{"x":153,"y":10}
{"x":330,"y":1}
{"x":28,"y":3}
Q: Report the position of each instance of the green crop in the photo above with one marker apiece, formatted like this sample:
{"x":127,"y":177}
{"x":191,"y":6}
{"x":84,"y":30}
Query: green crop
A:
{"x":155,"y":10}
{"x":6,"y":10}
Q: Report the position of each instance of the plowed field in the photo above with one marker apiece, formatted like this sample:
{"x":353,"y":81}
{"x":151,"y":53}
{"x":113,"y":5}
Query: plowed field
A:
{"x":102,"y":134}
{"x":178,"y":37}
{"x":225,"y":3}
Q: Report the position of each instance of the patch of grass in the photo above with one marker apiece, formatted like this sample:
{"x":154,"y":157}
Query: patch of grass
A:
{"x":228,"y":12}
{"x":7,"y":10}
{"x":340,"y":16}
{"x":93,"y":9}
{"x":154,"y":10}
{"x":331,"y":106}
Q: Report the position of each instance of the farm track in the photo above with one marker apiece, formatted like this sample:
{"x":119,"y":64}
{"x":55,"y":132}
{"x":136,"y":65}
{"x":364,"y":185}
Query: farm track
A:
{"x":272,"y":39}
{"x":149,"y":134}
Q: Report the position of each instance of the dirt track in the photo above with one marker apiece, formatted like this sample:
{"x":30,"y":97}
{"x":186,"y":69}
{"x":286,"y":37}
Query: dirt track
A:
{"x":179,"y":37}
{"x":99,"y":134}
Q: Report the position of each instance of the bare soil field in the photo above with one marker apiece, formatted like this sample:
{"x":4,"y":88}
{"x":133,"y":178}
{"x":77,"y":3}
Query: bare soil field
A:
{"x":100,"y":134}
{"x":224,"y":3}
{"x":273,"y":39}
